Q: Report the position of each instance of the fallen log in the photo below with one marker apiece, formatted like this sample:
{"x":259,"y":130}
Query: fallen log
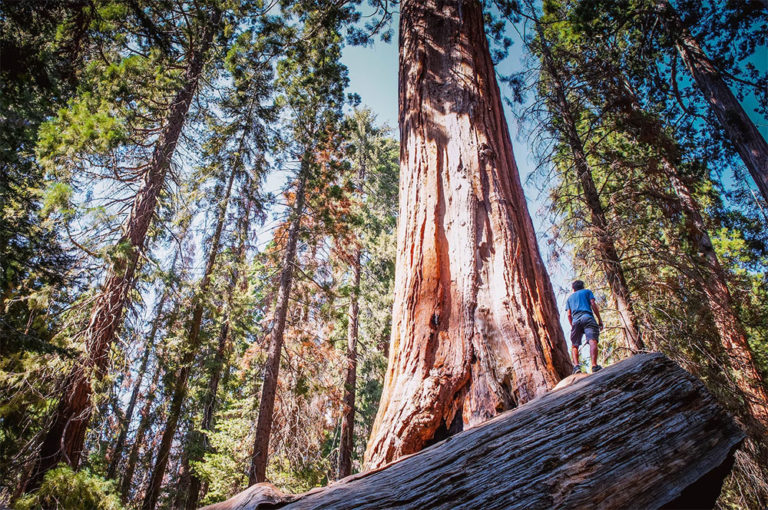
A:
{"x":642,"y":433}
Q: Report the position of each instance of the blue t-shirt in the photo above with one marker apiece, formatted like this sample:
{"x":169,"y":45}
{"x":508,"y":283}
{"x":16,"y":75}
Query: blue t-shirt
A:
{"x":579,"y":302}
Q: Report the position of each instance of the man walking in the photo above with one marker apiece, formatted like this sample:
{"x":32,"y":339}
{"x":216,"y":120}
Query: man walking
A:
{"x":580,"y":306}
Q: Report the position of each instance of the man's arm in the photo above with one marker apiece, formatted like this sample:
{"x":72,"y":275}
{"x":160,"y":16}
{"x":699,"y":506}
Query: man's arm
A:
{"x":595,"y":309}
{"x":570,"y":318}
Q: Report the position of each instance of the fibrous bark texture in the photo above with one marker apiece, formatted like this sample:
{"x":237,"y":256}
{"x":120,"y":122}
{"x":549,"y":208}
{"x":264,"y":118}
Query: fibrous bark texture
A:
{"x":642,"y":433}
{"x":475,"y":324}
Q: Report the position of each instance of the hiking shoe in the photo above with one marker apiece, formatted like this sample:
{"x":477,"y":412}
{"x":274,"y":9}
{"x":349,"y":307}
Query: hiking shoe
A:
{"x":576,"y":369}
{"x":596,"y":368}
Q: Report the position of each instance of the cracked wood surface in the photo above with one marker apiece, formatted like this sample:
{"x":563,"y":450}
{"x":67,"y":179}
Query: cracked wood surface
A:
{"x":642,"y":433}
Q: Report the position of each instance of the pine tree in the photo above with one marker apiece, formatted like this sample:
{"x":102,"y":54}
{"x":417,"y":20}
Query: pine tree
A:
{"x":314,"y":81}
{"x":605,"y":245}
{"x":66,"y":434}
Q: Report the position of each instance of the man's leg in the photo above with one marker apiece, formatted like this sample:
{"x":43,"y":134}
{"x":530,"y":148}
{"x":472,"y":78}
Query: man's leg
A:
{"x":593,"y":352}
{"x":577,"y":331}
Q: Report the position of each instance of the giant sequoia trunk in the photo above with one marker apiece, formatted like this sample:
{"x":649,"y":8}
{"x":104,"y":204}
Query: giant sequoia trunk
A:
{"x":260,"y":455}
{"x":640,"y":434}
{"x":606,"y":247}
{"x":190,"y":351}
{"x":742,"y":132}
{"x":475,"y":325}
{"x":64,"y":439}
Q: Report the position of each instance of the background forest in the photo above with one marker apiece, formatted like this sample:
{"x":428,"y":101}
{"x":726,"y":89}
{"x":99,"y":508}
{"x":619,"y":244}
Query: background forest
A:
{"x":198,"y":235}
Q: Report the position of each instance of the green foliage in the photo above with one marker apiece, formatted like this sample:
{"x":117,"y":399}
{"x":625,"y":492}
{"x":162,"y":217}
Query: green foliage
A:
{"x":64,"y":489}
{"x":637,"y":122}
{"x":224,"y":467}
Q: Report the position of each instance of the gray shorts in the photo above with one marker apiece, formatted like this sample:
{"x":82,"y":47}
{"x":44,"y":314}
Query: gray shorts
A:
{"x":584,"y":325}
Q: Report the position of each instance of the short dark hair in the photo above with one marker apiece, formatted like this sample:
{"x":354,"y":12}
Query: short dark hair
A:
{"x":577,"y":285}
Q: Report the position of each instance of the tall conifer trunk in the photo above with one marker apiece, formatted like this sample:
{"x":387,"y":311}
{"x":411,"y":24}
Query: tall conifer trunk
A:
{"x":125,"y":421}
{"x":742,"y":132}
{"x":138,"y":440}
{"x":606,"y":247}
{"x":350,"y":379}
{"x":733,"y":337}
{"x":260,"y":456}
{"x":475,"y":323}
{"x":64,"y":439}
{"x":218,"y":374}
{"x":711,"y":275}
{"x":209,"y":407}
{"x":190,"y":351}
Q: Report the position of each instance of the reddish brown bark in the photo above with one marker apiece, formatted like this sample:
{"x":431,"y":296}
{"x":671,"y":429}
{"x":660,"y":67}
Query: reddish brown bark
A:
{"x":742,"y":132}
{"x":138,"y":440}
{"x":190,"y":351}
{"x":260,"y":456}
{"x":475,"y":323}
{"x":350,"y":379}
{"x":64,"y":439}
{"x":710,"y":274}
{"x":606,"y":247}
{"x":125,"y":422}
{"x":733,"y":337}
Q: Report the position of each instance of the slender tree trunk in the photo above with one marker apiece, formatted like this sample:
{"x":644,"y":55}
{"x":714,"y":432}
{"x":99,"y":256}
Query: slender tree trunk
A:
{"x":220,"y":372}
{"x":742,"y":132}
{"x":606,"y":248}
{"x":125,"y":423}
{"x":258,"y":469}
{"x":209,"y":407}
{"x":714,"y":284}
{"x":138,"y":441}
{"x":711,"y":278}
{"x":191,"y":348}
{"x":475,"y":323}
{"x":350,"y":379}
{"x":183,"y":477}
{"x":64,"y":439}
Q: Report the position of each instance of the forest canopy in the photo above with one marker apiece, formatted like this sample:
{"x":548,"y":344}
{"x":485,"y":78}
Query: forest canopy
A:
{"x":219,"y":267}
